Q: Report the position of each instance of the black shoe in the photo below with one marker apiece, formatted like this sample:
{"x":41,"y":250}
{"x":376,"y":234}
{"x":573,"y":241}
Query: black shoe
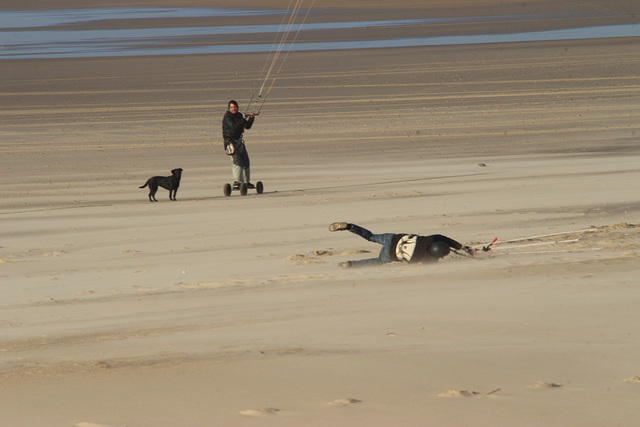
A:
{"x":250,"y":186}
{"x":236,"y":185}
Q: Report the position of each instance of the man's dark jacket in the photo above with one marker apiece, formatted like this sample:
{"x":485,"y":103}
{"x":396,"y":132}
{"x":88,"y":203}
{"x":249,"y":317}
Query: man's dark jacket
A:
{"x":233,"y":126}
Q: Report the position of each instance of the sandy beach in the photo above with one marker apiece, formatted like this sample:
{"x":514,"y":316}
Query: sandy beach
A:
{"x":232,"y":311}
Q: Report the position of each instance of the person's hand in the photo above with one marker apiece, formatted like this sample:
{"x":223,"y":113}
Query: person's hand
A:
{"x":250,"y":116}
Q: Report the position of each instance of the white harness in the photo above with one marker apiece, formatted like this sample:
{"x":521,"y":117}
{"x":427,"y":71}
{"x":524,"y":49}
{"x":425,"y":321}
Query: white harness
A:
{"x":406,"y":246}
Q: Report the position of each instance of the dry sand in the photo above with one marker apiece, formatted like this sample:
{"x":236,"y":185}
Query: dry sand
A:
{"x":214,"y":311}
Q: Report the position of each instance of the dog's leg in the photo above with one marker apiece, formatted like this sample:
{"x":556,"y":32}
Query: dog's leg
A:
{"x":153,"y":188}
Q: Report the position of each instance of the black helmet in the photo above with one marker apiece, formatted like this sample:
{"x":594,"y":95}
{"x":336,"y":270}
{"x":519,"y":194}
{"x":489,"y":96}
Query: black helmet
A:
{"x":439,"y":250}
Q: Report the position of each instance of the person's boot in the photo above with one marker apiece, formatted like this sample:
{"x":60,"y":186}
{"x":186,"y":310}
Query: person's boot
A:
{"x":339,"y":226}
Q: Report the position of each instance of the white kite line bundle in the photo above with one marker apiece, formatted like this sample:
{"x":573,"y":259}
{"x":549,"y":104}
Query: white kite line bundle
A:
{"x":288,"y":28}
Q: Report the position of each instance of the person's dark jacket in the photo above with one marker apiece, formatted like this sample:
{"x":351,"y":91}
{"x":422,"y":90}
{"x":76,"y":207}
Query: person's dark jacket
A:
{"x":421,"y":252}
{"x":233,"y":126}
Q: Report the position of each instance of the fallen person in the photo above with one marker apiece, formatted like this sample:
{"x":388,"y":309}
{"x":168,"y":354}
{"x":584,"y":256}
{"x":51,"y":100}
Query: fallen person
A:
{"x":410,"y":248}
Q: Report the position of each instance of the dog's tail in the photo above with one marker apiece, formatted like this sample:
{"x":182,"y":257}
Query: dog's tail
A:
{"x":145,"y":184}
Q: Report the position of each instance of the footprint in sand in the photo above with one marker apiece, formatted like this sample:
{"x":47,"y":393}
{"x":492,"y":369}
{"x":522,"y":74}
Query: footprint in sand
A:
{"x":344,"y":402}
{"x":54,"y":253}
{"x":259,"y":412}
{"x":460,"y":393}
{"x":322,"y":253}
{"x":304,"y":259}
{"x":466,"y":393}
{"x":541,"y":384}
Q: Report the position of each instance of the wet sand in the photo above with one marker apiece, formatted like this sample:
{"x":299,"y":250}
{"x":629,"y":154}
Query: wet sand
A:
{"x":233,"y":311}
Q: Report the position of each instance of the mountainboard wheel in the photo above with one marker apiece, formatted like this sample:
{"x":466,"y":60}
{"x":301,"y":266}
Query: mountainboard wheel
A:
{"x":243,"y":189}
{"x":259,"y":187}
{"x":227,"y":189}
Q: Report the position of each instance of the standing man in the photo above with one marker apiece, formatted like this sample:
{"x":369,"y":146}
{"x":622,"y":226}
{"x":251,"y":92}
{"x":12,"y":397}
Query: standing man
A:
{"x":233,"y":126}
{"x":410,"y":248}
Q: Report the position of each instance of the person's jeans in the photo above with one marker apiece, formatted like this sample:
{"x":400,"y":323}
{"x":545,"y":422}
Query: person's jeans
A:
{"x":240,"y":164}
{"x":382,"y":239}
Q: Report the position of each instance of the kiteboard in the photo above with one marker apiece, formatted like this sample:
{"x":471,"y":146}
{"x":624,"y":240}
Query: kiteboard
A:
{"x":243,"y":188}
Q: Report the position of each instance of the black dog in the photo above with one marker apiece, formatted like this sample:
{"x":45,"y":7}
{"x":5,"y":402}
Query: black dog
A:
{"x":170,"y":183}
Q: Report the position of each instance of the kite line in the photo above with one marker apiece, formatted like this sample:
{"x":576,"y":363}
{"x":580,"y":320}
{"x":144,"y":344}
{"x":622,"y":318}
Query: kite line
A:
{"x":288,"y":28}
